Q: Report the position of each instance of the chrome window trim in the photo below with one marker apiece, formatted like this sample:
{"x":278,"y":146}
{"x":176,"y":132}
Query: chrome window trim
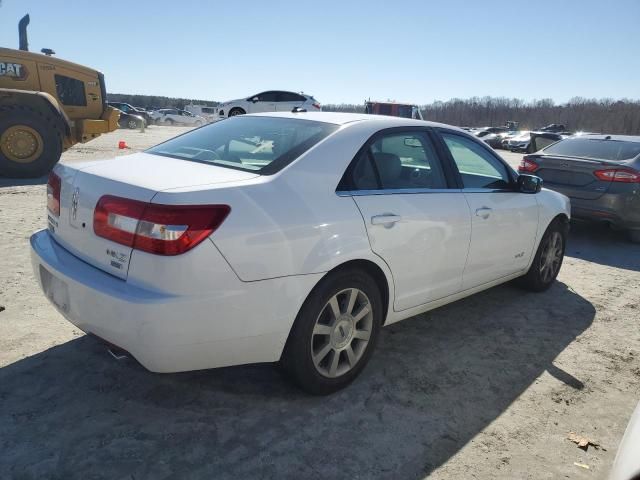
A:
{"x":413,"y":191}
{"x":489,"y":190}
{"x":396,"y":191}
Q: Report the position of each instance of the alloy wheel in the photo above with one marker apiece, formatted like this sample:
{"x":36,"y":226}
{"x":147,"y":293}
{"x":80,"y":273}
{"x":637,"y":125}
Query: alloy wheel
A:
{"x":341,"y":333}
{"x":551,"y":257}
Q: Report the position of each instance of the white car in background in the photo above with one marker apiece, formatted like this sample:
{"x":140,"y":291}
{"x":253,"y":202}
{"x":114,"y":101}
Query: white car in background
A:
{"x":269,"y":101}
{"x":173,"y":116}
{"x":289,"y":237}
{"x":204,"y":111}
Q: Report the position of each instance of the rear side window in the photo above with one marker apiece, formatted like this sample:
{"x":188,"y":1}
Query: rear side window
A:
{"x":396,"y":161}
{"x":289,"y":97}
{"x":254,"y":144}
{"x":477,"y":167}
{"x":595,"y":148}
{"x":70,"y":91}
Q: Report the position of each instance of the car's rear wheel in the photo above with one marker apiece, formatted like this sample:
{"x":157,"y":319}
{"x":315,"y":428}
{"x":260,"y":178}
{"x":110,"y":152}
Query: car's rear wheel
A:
{"x":236,"y":111}
{"x":548,"y":259}
{"x":335,"y":332}
{"x":169,"y":121}
{"x":132,"y":124}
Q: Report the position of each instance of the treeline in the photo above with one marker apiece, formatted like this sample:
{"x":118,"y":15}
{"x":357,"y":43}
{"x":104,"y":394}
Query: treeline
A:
{"x":591,"y":115}
{"x":153,"y":101}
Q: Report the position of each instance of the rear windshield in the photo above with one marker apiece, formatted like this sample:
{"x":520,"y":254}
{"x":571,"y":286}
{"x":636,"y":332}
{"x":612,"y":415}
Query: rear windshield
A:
{"x":254,"y":144}
{"x":595,"y":148}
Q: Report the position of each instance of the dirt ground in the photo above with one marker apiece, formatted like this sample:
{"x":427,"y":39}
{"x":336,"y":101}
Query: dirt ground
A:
{"x":486,"y":388}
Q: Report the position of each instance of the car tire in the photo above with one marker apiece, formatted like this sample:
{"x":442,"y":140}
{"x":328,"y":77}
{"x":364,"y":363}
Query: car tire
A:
{"x":548,"y":259}
{"x":169,"y":121}
{"x":36,"y":127}
{"x":634,"y":236}
{"x":132,"y":124}
{"x":325,"y":352}
{"x":198,"y":124}
{"x":236,"y":111}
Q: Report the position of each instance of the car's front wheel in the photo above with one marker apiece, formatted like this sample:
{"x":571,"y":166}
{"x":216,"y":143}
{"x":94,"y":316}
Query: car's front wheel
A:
{"x":236,"y":111}
{"x":335,"y":332}
{"x":548,"y":259}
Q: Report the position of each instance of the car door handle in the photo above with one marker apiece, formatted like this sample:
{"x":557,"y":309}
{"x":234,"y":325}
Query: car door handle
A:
{"x":484,"y":212}
{"x":386,"y":219}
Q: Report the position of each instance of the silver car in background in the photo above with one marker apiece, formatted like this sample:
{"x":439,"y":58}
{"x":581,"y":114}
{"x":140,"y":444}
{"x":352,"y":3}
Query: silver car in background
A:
{"x":599,"y":173}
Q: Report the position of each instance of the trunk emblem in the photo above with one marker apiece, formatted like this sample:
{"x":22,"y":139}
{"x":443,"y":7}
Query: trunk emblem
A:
{"x":75,"y":199}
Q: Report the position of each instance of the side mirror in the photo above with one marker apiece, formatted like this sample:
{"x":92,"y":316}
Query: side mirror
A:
{"x":529,"y":184}
{"x":255,"y":99}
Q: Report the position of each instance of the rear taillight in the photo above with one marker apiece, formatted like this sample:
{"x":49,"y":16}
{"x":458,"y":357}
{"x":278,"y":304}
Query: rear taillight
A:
{"x":623,"y":175}
{"x":316,"y":105}
{"x":528,"y":165}
{"x":54,"y":185}
{"x":158,"y":229}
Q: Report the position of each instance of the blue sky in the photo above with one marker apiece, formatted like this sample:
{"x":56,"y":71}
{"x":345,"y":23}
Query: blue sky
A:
{"x":344,"y":51}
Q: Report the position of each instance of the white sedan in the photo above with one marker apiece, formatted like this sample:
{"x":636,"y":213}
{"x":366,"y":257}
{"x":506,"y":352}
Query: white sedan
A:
{"x":289,"y":237}
{"x":269,"y":101}
{"x":173,"y":116}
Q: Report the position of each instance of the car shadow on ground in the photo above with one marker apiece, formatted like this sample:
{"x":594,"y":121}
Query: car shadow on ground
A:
{"x":434,"y":382}
{"x":22,"y":182}
{"x":598,"y":243}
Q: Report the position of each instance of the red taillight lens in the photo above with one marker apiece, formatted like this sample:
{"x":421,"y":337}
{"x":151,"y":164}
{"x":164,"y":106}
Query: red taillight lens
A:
{"x":158,"y":229}
{"x":623,"y":175}
{"x":528,"y":165}
{"x":54,"y":185}
{"x":316,"y":105}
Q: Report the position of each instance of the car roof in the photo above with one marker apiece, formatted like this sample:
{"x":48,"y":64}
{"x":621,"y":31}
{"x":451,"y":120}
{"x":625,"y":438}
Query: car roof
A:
{"x":340,"y":118}
{"x":601,"y":136}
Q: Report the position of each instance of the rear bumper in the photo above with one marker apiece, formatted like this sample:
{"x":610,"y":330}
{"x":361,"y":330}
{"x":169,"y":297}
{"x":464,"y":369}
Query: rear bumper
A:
{"x":619,"y":209}
{"x":242,"y":323}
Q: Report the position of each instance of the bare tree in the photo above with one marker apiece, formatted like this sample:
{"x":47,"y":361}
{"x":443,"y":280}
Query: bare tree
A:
{"x":604,"y":115}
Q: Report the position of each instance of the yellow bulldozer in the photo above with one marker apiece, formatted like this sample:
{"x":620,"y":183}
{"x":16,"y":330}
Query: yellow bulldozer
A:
{"x":46,"y":106}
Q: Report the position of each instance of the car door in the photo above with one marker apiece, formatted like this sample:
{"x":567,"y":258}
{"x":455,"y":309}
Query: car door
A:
{"x":504,"y":221}
{"x":187,"y":118}
{"x":287,"y":101}
{"x":172,"y":115}
{"x":266,"y":103}
{"x":415,"y":222}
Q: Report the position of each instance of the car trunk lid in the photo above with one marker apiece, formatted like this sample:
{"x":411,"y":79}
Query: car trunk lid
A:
{"x":572,"y":176}
{"x":137,"y":177}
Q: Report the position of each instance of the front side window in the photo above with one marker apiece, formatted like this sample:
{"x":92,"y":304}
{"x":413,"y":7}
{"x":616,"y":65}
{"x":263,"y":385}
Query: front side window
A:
{"x":396,"y":161}
{"x":477,"y":167}
{"x":267,"y":97}
{"x":256,"y":144}
{"x":70,"y":91}
{"x":405,"y":111}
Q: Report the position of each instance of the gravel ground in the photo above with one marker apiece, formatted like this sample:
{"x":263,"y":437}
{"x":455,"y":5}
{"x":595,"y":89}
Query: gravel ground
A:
{"x":488,"y":387}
